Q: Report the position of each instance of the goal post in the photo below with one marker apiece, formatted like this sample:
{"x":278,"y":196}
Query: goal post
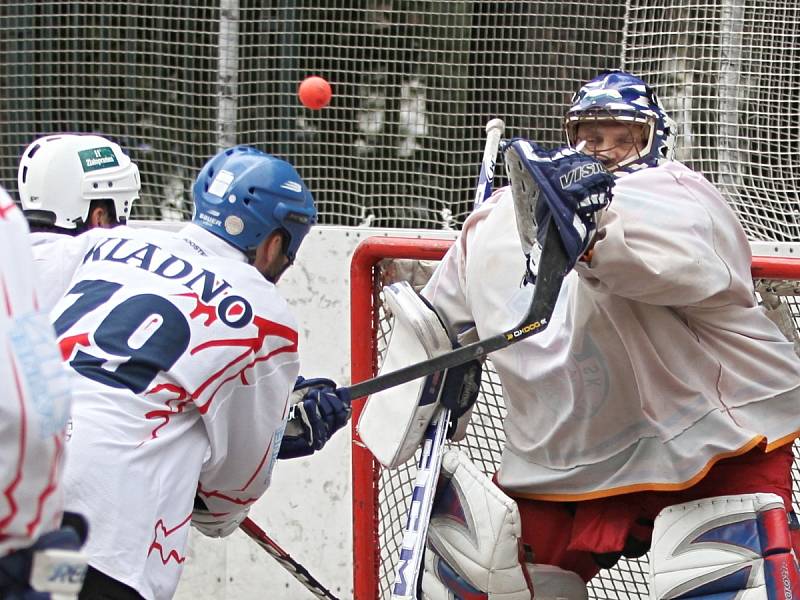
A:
{"x":365,"y":317}
{"x":380,"y":496}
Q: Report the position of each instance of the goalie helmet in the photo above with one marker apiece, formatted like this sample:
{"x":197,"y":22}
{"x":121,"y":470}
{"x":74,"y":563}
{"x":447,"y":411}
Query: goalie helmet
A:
{"x":60,"y":175}
{"x":243,"y":194}
{"x":621,"y":97}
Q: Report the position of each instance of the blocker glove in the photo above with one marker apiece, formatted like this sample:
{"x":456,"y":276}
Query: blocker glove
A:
{"x":319,"y":409}
{"x":573,"y":189}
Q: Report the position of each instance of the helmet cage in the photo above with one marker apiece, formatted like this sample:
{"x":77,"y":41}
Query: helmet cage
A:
{"x":571,"y":123}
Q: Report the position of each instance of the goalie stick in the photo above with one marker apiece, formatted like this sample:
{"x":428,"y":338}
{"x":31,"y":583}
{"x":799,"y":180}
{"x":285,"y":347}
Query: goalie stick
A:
{"x":415,"y":531}
{"x":298,"y":571}
{"x":494,"y":131}
{"x":552,"y":269}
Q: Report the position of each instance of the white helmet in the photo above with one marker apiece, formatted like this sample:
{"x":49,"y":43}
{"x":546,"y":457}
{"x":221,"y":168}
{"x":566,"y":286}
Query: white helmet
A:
{"x":59,"y":176}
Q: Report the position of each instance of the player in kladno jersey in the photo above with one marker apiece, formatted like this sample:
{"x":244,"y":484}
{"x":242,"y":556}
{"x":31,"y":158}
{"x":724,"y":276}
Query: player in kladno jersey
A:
{"x":656,"y":411}
{"x":37,"y":555}
{"x":187,"y":356}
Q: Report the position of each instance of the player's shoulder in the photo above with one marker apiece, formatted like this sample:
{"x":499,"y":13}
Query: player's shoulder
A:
{"x":501,"y":198}
{"x":671,"y":178}
{"x":668,"y":172}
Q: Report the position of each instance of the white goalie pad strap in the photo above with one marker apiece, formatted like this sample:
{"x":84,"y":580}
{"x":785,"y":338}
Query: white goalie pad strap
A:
{"x":724,"y":547}
{"x":473,"y":549}
{"x":394,"y":420}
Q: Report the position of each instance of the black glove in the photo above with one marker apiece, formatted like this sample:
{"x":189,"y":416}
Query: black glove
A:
{"x":319,"y":410}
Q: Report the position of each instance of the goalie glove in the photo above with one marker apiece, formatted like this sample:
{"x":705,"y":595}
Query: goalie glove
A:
{"x":573,"y":189}
{"x":319,"y":410}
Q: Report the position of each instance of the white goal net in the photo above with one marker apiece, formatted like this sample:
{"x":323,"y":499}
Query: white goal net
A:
{"x":414,"y":83}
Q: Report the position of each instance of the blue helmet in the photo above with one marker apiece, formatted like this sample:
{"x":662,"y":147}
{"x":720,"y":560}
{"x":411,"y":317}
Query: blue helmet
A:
{"x":242,"y":195}
{"x":620,"y":96}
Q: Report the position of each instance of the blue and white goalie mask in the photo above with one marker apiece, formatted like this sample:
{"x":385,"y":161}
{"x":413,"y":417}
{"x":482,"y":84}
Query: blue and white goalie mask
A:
{"x":617,"y":118}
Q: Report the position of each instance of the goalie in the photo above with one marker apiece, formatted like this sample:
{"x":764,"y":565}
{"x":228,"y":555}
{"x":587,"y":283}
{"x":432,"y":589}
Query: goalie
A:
{"x":657,"y":410}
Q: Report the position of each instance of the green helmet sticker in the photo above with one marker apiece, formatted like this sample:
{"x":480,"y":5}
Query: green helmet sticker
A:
{"x":97,"y":158}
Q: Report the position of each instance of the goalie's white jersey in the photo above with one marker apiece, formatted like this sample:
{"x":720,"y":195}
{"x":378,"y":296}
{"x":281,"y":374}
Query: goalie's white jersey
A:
{"x":35,"y":396}
{"x":186,"y":357}
{"x":657,"y":360}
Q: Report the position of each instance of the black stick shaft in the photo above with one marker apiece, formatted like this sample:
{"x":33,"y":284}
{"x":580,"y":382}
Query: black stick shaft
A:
{"x":551,"y":271}
{"x":298,"y":571}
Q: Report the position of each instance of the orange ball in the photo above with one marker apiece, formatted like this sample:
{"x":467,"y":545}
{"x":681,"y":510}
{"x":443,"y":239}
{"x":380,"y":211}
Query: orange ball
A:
{"x":314,"y":92}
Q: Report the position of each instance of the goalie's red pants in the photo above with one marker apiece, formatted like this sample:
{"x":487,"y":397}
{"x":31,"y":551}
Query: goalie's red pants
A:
{"x":570,"y":534}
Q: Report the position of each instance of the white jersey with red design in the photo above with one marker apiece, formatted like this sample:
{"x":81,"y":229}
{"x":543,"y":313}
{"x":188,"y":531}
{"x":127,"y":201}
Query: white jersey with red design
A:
{"x":47,"y":293}
{"x":35,"y":398}
{"x":657,"y":360}
{"x":187,"y":356}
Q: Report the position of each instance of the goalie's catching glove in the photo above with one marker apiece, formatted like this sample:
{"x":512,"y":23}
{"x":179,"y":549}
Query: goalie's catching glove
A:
{"x":319,"y":410}
{"x":573,"y":189}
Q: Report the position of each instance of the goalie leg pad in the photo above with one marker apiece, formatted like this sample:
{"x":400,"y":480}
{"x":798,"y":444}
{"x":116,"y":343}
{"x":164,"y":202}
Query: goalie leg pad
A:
{"x":394,"y":420}
{"x":724,"y":547}
{"x":474,"y":549}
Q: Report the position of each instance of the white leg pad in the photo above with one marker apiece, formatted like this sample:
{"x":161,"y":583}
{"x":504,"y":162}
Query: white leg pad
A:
{"x":473,"y":539}
{"x":724,"y":547}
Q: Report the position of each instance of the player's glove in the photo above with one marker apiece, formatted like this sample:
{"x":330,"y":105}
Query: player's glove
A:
{"x":319,"y":410}
{"x":54,"y":564}
{"x":574,"y":189}
{"x":216,"y":525}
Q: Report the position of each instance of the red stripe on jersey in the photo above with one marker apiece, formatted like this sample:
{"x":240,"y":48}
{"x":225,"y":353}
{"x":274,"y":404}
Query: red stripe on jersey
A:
{"x":253,"y":345}
{"x":68,"y":344}
{"x":182,"y":398}
{"x":9,"y":491}
{"x":160,"y":545}
{"x":218,"y":494}
{"x":7,"y":299}
{"x":52,"y":485}
{"x":7,"y":208}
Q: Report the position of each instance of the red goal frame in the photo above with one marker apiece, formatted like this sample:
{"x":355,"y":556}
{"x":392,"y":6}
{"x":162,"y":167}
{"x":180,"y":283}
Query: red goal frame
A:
{"x":364,"y":365}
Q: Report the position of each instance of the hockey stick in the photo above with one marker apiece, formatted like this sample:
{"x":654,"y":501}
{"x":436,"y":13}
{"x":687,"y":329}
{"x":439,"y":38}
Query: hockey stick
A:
{"x":552,"y":269}
{"x":494,"y":131}
{"x":415,"y":531}
{"x":298,"y":571}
